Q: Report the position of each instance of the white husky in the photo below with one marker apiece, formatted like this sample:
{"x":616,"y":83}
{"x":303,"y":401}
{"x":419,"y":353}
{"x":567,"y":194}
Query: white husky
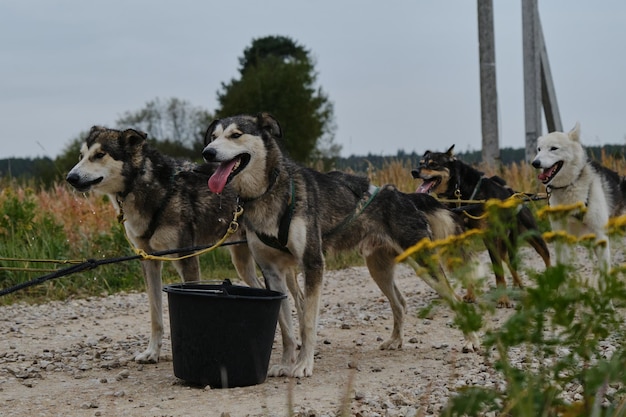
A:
{"x":570,"y":178}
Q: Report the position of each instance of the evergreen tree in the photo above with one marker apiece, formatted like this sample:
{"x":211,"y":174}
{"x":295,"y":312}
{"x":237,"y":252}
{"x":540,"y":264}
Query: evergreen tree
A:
{"x":278,"y":76}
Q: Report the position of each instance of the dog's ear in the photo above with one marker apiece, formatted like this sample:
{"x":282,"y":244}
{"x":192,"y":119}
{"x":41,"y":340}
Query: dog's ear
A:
{"x":95,"y":132}
{"x":450,"y":152}
{"x":132,"y":137}
{"x":209,"y":131}
{"x":574,"y":134}
{"x":96,"y":129}
{"x":269,"y":124}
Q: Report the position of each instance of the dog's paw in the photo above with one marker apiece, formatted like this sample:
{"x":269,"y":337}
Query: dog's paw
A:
{"x":279,"y":370}
{"x":148,"y":356}
{"x":302,"y":369}
{"x":469,"y":298}
{"x":505,"y":302}
{"x":472,"y":343}
{"x":391,"y":344}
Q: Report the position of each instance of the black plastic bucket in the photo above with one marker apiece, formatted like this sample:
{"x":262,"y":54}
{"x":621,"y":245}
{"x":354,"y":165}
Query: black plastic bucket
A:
{"x":222,"y":334}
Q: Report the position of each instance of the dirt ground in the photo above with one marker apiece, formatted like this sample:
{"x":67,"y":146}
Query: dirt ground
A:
{"x":74,"y":358}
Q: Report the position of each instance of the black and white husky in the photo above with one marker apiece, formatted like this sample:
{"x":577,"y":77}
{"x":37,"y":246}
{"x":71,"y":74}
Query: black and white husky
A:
{"x":165,"y":204}
{"x":294,"y":215}
{"x":571,"y":177}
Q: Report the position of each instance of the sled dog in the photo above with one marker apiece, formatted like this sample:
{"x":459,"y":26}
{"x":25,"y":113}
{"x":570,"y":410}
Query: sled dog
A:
{"x":294,"y":215}
{"x":165,"y":204}
{"x":448,"y":177}
{"x":571,"y":177}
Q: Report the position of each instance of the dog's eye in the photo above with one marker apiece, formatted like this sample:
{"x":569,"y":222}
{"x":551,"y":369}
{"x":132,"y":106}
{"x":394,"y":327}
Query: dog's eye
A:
{"x":235,"y":135}
{"x":99,"y":155}
{"x":554,"y":148}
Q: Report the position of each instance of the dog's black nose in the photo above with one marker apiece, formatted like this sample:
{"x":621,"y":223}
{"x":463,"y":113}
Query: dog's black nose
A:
{"x":536,"y":164}
{"x":73,"y":179}
{"x":415,"y":173}
{"x":209,"y":154}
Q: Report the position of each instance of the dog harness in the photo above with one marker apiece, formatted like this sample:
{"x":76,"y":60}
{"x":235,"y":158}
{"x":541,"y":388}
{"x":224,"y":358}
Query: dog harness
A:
{"x":365,"y":200}
{"x":457,"y":187}
{"x":280,"y":242}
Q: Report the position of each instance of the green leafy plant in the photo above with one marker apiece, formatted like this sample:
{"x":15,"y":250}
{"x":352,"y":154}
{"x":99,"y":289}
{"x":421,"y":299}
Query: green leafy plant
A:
{"x":555,"y":340}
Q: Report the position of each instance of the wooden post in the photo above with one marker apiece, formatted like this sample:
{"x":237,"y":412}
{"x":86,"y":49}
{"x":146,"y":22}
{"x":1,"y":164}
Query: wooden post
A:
{"x":532,"y":75}
{"x":488,"y":88}
{"x":548,"y":92}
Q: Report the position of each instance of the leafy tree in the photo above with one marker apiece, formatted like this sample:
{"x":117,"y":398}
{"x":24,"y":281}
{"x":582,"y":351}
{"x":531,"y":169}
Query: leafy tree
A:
{"x":278,"y":76}
{"x":175,"y":126}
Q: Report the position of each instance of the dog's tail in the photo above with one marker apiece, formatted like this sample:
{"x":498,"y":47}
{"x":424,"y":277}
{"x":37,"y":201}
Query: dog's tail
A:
{"x":443,"y":221}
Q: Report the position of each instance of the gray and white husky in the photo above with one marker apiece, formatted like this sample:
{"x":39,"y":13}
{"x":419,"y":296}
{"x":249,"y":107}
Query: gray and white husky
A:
{"x":294,"y":215}
{"x":165,"y":204}
{"x":571,"y":177}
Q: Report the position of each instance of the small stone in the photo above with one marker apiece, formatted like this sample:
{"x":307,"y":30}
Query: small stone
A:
{"x":122,"y":375}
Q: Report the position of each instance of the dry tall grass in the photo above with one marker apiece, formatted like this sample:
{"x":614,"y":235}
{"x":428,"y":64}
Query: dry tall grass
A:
{"x":82,"y":215}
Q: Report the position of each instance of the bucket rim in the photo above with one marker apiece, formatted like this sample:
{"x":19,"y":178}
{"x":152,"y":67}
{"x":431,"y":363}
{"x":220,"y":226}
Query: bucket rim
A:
{"x":220,"y":289}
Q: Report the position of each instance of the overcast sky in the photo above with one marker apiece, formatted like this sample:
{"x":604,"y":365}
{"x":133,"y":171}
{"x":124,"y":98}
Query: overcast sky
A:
{"x":402,"y":74}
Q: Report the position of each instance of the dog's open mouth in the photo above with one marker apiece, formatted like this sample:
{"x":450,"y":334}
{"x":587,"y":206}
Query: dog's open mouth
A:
{"x":226,"y":171}
{"x":549,"y":173}
{"x":82,"y":187}
{"x":428,"y":185}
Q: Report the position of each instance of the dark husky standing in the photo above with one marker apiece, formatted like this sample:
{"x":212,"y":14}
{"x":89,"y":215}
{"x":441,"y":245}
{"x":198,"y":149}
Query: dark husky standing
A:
{"x":450,"y":178}
{"x":165,"y":204}
{"x":293,"y":215}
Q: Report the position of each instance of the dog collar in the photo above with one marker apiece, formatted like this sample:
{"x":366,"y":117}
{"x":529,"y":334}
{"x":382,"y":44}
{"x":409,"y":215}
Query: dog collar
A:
{"x":273,"y":177}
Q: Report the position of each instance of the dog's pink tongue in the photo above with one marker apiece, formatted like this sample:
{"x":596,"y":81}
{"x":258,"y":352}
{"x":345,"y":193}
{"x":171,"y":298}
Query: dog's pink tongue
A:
{"x":545,"y":174}
{"x":424,"y":187}
{"x":218,"y":180}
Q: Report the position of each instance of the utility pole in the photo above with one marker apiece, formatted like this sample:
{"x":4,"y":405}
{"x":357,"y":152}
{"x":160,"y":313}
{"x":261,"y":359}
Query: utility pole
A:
{"x":488,"y":88}
{"x":548,"y":92}
{"x":532,"y":75}
{"x":538,"y":85}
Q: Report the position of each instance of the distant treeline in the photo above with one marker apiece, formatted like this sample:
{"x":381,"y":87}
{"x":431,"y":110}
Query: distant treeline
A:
{"x":37,"y":169}
{"x":507,"y":156}
{"x":46,"y":170}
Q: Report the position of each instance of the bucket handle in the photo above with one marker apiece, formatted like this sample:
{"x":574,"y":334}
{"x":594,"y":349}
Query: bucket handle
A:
{"x":223,"y":290}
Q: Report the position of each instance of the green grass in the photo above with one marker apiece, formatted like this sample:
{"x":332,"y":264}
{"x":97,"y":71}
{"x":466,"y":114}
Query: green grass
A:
{"x":61,"y":225}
